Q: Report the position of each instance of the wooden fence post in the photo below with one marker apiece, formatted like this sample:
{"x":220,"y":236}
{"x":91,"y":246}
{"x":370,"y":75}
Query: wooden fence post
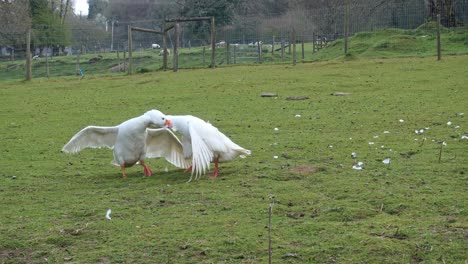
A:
{"x":313,"y":42}
{"x":228,"y":55}
{"x":439,"y":50}
{"x":165,"y":49}
{"x":213,"y":39}
{"x":302,"y":46}
{"x":175,"y":56}
{"x":235,"y":54}
{"x":259,"y":49}
{"x":28,"y":56}
{"x":282,"y":50}
{"x":124,"y":58}
{"x":294,"y":46}
{"x":77,"y":66}
{"x":204,"y":55}
{"x":130,"y":47}
{"x":118,"y":57}
{"x":47,"y":64}
{"x":273,"y":46}
{"x":346,"y":27}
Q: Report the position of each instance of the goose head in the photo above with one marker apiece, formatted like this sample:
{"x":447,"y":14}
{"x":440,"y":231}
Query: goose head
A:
{"x":157,"y":119}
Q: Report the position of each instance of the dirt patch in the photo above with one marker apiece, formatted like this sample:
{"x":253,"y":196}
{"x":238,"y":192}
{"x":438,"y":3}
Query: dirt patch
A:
{"x":15,"y":256}
{"x":305,"y":169}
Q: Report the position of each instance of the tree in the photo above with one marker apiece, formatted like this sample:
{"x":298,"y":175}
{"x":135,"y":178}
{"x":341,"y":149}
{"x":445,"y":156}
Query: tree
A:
{"x":64,"y":9}
{"x":96,"y":7}
{"x":48,"y":26}
{"x":222,"y":10}
{"x":446,"y":9}
{"x":15,"y":20}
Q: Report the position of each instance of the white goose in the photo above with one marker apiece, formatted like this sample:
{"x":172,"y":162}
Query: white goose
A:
{"x":204,"y":143}
{"x":133,"y":141}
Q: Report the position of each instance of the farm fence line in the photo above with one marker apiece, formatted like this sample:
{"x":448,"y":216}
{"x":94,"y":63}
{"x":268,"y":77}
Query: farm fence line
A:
{"x":255,"y":39}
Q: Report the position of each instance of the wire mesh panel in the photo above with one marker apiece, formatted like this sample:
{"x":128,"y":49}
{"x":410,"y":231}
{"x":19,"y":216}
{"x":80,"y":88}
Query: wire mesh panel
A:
{"x":84,"y":49}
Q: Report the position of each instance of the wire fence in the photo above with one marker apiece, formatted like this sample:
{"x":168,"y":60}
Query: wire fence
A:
{"x":255,"y":39}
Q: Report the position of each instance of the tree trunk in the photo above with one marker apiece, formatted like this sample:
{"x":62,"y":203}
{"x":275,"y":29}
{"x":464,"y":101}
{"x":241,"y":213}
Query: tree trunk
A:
{"x":64,"y":14}
{"x":446,"y":10}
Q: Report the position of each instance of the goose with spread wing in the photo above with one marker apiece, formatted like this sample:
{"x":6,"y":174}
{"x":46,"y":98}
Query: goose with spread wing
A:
{"x":204,"y":143}
{"x":133,"y":141}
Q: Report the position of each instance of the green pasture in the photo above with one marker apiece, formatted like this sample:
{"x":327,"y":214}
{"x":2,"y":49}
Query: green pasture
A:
{"x":412,"y":210}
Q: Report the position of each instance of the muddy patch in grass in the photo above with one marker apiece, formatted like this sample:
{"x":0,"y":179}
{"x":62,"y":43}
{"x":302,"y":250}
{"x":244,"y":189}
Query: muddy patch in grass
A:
{"x":298,"y":172}
{"x":305,"y":169}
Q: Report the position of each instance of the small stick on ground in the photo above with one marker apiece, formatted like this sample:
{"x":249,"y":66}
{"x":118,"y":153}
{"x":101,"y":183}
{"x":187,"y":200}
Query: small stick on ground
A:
{"x":440,"y":152}
{"x":270,"y":213}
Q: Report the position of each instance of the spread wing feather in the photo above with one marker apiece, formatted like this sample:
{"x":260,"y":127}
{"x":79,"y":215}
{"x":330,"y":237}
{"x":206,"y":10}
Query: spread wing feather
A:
{"x":202,"y":155}
{"x":163,"y":143}
{"x":92,"y":137}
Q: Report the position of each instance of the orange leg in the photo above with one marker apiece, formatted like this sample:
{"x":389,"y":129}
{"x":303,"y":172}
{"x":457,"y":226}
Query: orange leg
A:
{"x":215,"y":171}
{"x":147,"y":171}
{"x":122,"y":167}
{"x":189,"y":169}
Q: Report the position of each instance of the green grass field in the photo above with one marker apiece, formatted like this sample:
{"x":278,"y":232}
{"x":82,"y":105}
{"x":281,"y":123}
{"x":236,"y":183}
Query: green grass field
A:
{"x":412,"y":210}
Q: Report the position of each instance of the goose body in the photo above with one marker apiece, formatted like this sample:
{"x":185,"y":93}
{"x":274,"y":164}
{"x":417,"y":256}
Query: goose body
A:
{"x":133,"y":141}
{"x":204,"y":143}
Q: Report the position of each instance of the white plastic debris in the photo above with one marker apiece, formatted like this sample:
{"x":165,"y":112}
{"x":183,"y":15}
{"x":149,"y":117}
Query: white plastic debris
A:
{"x":386,"y":161}
{"x":386,"y":132}
{"x":449,"y":123}
{"x":371,"y":143}
{"x":376,"y":136}
{"x":464,"y":137}
{"x":275,"y":157}
{"x":444,"y":143}
{"x":457,"y":127}
{"x":416,"y":131}
{"x":353,"y":155}
{"x":297,"y":115}
{"x":401,"y":120}
{"x":276,"y":129}
{"x":421,"y":131}
{"x":358,"y":166}
{"x":382,"y":146}
{"x":461,"y":113}
{"x":166,"y":169}
{"x":108,"y":214}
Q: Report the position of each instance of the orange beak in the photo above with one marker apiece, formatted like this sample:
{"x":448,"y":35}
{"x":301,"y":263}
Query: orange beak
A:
{"x":168,"y":123}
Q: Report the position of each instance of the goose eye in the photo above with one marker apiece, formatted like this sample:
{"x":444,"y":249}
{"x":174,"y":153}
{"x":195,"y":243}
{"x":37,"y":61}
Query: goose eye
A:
{"x":163,"y":118}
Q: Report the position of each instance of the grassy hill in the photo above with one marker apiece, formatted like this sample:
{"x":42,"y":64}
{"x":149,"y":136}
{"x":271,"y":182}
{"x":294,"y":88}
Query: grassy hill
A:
{"x":412,"y":210}
{"x":391,"y":43}
{"x":385,"y":43}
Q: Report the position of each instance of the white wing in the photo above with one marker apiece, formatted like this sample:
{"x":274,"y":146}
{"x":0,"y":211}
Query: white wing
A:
{"x":163,"y":143}
{"x":202,"y":155}
{"x":92,"y":137}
